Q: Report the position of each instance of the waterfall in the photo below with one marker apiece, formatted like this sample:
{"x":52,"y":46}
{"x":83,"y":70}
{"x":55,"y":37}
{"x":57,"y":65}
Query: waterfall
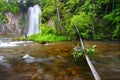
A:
{"x":33,"y":20}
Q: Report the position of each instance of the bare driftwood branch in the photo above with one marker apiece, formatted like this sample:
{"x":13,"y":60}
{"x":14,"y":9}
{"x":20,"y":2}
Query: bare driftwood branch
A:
{"x":94,"y":72}
{"x":83,"y":47}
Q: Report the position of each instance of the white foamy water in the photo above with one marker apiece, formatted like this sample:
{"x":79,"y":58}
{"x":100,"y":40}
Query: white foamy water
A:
{"x":12,"y":44}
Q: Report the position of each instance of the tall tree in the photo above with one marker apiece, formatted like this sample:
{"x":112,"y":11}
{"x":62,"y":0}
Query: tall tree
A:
{"x":58,"y":15}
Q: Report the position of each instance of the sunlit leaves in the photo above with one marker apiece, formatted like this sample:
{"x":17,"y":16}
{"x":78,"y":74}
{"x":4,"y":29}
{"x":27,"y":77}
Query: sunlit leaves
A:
{"x":48,"y":9}
{"x":45,"y":29}
{"x":48,"y":38}
{"x":90,"y":50}
{"x":83,"y":13}
{"x":73,"y":2}
{"x":81,"y":20}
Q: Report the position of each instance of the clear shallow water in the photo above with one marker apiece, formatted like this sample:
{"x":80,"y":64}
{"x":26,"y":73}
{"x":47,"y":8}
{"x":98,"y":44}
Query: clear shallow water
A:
{"x":107,"y":59}
{"x":50,"y":62}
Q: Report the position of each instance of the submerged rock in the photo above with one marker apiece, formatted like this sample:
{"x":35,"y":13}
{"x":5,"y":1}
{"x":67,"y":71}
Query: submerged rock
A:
{"x":28,"y":59}
{"x":4,"y":62}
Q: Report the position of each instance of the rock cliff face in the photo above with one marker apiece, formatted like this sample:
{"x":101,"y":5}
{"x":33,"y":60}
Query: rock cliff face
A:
{"x":14,"y":24}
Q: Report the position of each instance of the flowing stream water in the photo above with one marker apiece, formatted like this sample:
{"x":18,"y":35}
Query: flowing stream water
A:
{"x":107,"y":60}
{"x":26,"y":60}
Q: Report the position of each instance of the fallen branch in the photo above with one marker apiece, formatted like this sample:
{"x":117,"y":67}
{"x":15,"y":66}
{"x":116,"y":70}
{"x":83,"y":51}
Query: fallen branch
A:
{"x":93,"y":70}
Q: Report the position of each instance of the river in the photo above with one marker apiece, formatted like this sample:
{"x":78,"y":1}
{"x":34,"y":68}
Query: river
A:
{"x":26,"y":60}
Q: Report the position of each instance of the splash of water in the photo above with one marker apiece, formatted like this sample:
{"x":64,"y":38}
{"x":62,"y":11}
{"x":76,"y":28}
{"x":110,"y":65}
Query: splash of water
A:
{"x":33,"y":20}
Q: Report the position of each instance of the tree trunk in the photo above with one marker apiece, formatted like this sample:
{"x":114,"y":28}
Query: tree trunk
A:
{"x":58,"y":15}
{"x":93,"y":18}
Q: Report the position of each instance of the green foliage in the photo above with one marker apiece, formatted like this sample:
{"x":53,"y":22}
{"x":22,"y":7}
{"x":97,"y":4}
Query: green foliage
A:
{"x":3,"y":18}
{"x":114,"y":18}
{"x":7,"y":7}
{"x":91,"y":50}
{"x":13,"y":7}
{"x":99,"y":37}
{"x":82,"y":21}
{"x":3,"y":8}
{"x":47,"y":29}
{"x":80,"y":52}
{"x":102,"y":15}
{"x":73,"y":3}
{"x":47,"y":38}
{"x":117,"y":31}
{"x":48,"y":34}
{"x":48,"y":10}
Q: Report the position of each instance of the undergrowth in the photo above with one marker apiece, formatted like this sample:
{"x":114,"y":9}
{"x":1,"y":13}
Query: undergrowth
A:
{"x":47,"y":38}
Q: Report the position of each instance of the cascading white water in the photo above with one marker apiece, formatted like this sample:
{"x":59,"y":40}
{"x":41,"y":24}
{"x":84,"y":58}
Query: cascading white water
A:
{"x":33,"y":20}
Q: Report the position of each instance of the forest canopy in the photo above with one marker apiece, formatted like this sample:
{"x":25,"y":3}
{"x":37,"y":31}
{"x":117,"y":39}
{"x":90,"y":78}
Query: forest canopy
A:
{"x":95,"y":19}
